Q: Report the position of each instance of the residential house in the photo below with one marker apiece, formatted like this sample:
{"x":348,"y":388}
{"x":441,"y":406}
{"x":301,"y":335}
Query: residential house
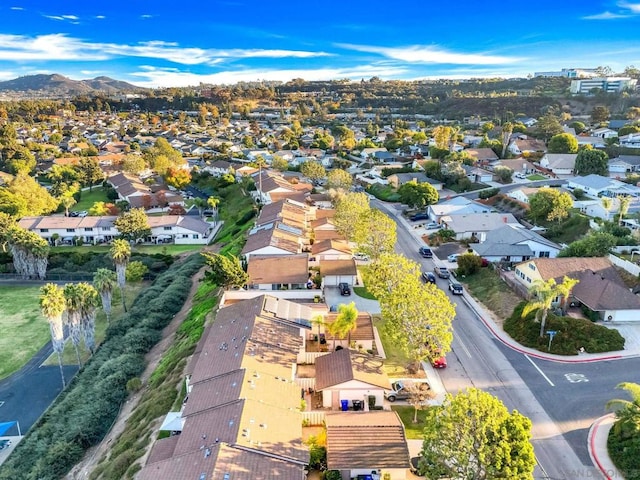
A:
{"x":518,"y":165}
{"x":128,"y":186}
{"x":399,"y":179}
{"x":523,"y":194}
{"x":559,"y":163}
{"x":278,"y":272}
{"x":178,"y":229}
{"x":271,"y":187}
{"x":599,"y":286}
{"x":362,"y":444}
{"x":595,"y":142}
{"x":331,"y":250}
{"x":477,"y":175}
{"x":218,"y":168}
{"x":527,"y":121}
{"x":529,"y":145}
{"x":604,"y":133}
{"x":347,"y":375}
{"x":274,"y":239}
{"x":484,"y":156}
{"x":455,"y":206}
{"x":367,"y":153}
{"x":624,"y":164}
{"x":361,"y":337}
{"x":338,"y":271}
{"x":597,"y":186}
{"x":511,"y":243}
{"x":241,"y":415}
{"x":476,"y":225}
{"x":595,"y":209}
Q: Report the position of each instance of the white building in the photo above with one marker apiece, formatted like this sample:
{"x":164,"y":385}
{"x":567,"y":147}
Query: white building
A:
{"x":605,"y":84}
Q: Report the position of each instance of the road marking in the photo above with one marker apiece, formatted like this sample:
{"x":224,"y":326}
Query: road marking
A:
{"x":539,"y":371}
{"x":576,"y":377}
{"x":1,"y":403}
{"x":464,"y":347}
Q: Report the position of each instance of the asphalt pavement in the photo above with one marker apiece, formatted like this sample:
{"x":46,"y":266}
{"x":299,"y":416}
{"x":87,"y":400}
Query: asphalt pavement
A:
{"x":561,"y":412}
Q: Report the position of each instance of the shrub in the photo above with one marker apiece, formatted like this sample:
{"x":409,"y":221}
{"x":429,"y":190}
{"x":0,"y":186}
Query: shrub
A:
{"x":134,"y":384}
{"x":488,"y":193}
{"x":136,"y":271}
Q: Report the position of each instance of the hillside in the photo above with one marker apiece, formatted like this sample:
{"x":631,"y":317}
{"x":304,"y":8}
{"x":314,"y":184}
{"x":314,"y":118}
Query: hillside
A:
{"x":61,"y":85}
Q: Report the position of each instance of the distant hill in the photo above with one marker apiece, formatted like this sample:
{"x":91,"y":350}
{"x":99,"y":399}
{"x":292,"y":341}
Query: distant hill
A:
{"x":61,"y":85}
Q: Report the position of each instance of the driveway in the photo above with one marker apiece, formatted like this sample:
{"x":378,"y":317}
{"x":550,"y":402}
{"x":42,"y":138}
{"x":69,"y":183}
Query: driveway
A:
{"x":332,"y":297}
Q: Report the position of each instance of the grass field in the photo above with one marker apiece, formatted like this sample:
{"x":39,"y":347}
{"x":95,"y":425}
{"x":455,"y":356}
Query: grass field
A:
{"x":396,"y":361}
{"x":89,"y":198}
{"x":24,"y":330}
{"x":412,"y":430}
{"x":364,"y":293}
{"x":168,"y":249}
{"x":69,"y":355}
{"x":488,"y":288}
{"x":536,"y":176}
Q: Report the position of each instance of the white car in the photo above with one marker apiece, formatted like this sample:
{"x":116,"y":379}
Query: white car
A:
{"x":453,"y":258}
{"x":522,"y":176}
{"x":361,"y":256}
{"x":432,"y":226}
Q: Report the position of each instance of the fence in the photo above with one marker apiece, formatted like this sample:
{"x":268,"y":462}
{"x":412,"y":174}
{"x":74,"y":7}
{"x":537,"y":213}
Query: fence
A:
{"x":630,"y":267}
{"x":313,"y":418}
{"x":515,"y":285}
{"x":306,"y":383}
{"x":309,"y":358}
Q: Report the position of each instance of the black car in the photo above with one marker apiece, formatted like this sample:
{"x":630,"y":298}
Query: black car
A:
{"x":344,"y":289}
{"x":425,"y":252}
{"x":428,"y":277}
{"x":420,"y":216}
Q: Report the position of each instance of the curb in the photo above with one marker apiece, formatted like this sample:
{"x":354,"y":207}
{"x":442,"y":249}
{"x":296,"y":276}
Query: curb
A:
{"x":610,"y":473}
{"x":540,"y":356}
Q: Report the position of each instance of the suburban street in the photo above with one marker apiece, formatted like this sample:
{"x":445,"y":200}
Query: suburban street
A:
{"x":561,"y":399}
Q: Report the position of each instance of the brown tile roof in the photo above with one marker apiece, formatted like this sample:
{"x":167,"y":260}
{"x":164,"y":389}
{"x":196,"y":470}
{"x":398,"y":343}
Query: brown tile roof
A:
{"x":482,"y":153}
{"x":162,"y":449}
{"x":325,"y":212}
{"x":298,"y":197}
{"x":368,"y":440}
{"x":321,"y":235}
{"x":326,"y":245}
{"x":338,"y":267}
{"x":265,"y":238}
{"x":601,"y":294}
{"x":345,"y":365}
{"x":363,"y":330}
{"x":573,"y":266}
{"x":287,"y":269}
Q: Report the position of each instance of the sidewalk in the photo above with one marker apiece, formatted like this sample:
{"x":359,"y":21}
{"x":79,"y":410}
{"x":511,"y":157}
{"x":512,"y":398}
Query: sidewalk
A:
{"x":599,"y":432}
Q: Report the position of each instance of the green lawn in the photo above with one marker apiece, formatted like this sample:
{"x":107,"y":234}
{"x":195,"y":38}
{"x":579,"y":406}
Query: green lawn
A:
{"x":536,"y":176}
{"x":412,"y":430}
{"x":364,"y":293}
{"x":24,"y":330}
{"x":167,"y":249}
{"x":98,"y":194}
{"x":396,"y":361}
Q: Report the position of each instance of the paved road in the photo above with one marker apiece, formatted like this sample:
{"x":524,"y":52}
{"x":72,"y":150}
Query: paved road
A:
{"x":25,"y":395}
{"x":479,"y":359}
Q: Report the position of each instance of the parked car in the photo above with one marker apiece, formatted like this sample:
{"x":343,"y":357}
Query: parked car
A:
{"x":455,"y":287}
{"x":440,"y":362}
{"x":442,"y":272}
{"x":83,"y":213}
{"x":420,"y":216}
{"x":428,"y":277}
{"x":453,"y":258}
{"x":344,"y":289}
{"x":432,"y":226}
{"x":400,"y":392}
{"x":425,"y":252}
{"x":520,"y":175}
{"x":363,"y":257}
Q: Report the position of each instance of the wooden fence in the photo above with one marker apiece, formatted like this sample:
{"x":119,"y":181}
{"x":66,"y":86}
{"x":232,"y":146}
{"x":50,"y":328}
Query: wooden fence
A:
{"x":313,"y":418}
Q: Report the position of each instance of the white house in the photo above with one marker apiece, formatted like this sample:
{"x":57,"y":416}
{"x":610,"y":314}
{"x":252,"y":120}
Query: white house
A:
{"x":477,"y":225}
{"x":559,"y":163}
{"x":596,"y":186}
{"x":511,"y":243}
{"x":455,"y":206}
{"x":632,"y":140}
{"x":604,"y":133}
{"x":624,"y":164}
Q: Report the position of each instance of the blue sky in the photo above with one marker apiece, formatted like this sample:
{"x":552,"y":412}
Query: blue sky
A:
{"x":180,"y":43}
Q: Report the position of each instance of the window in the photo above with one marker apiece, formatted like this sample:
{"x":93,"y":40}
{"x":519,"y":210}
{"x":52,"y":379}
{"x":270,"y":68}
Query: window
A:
{"x":195,"y":235}
{"x":166,"y":228}
{"x":44,"y":230}
{"x":71,"y":230}
{"x":88,"y":229}
{"x":106,"y":229}
{"x":528,"y":280}
{"x":184,"y":235}
{"x":532,"y":267}
{"x":544,"y":254}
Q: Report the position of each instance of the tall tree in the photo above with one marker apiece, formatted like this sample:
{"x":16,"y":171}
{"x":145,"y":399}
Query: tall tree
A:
{"x":105,"y":282}
{"x":339,"y":179}
{"x":419,"y":394}
{"x":600,"y":113}
{"x":474,"y":436}
{"x":90,"y":300}
{"x":375,"y":233}
{"x":507,"y":130}
{"x":442,"y":137}
{"x":349,"y":209}
{"x":73,"y":295}
{"x":625,"y":202}
{"x":121,"y":253}
{"x":90,"y":171}
{"x":548,"y":125}
{"x":30,"y":252}
{"x":318,"y":321}
{"x":563,"y":143}
{"x":590,"y":160}
{"x":314,"y":171}
{"x":346,"y":320}
{"x":177,"y":177}
{"x":52,"y":306}
{"x":418,"y":195}
{"x":550,"y":204}
{"x":213,"y":203}
{"x":67,"y":201}
{"x":226,"y":271}
{"x":545,"y":294}
{"x":133,"y":225}
{"x":38,"y":200}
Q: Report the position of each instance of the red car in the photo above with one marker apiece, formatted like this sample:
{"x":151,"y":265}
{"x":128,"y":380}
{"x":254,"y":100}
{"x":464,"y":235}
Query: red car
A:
{"x":440,"y":362}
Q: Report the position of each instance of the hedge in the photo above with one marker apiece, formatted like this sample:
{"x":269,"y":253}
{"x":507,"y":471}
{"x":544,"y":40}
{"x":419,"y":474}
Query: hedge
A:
{"x":83,"y":414}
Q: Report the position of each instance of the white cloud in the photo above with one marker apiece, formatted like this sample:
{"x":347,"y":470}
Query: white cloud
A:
{"x":16,"y":8}
{"x":61,"y":47}
{"x":100,"y":17}
{"x":634,"y":7}
{"x":604,"y":16}
{"x":154,"y":77}
{"x":146,"y":16}
{"x":425,"y":54}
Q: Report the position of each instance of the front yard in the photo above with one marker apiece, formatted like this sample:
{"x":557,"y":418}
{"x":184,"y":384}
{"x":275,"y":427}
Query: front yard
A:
{"x":97,"y":194}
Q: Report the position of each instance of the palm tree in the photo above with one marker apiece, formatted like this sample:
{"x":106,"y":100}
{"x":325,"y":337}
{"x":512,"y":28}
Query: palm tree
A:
{"x":344,"y":323}
{"x":121,"y":253}
{"x":213,"y":202}
{"x":627,"y":412}
{"x":200,"y":204}
{"x":105,"y":282}
{"x":88,"y":306}
{"x":607,"y":204}
{"x":67,"y":201}
{"x":52,"y":306}
{"x":73,"y":295}
{"x":318,"y":320}
{"x":544,"y":295}
{"x":625,"y":201}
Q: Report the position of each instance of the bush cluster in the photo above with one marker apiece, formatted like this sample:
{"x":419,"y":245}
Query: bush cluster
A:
{"x":85,"y":263}
{"x":573,"y":333}
{"x":85,"y":411}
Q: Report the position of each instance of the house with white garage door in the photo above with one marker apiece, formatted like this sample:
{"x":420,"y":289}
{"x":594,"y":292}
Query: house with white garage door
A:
{"x":600,"y":288}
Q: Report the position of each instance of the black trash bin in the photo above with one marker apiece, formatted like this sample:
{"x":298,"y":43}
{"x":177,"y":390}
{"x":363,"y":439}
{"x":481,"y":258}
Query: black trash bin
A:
{"x":357,"y":405}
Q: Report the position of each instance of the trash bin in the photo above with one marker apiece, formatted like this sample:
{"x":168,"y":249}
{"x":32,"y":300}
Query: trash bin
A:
{"x":357,"y":405}
{"x":345,"y":405}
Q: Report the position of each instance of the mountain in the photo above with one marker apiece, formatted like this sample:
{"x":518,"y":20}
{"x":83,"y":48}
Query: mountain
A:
{"x":56,"y":84}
